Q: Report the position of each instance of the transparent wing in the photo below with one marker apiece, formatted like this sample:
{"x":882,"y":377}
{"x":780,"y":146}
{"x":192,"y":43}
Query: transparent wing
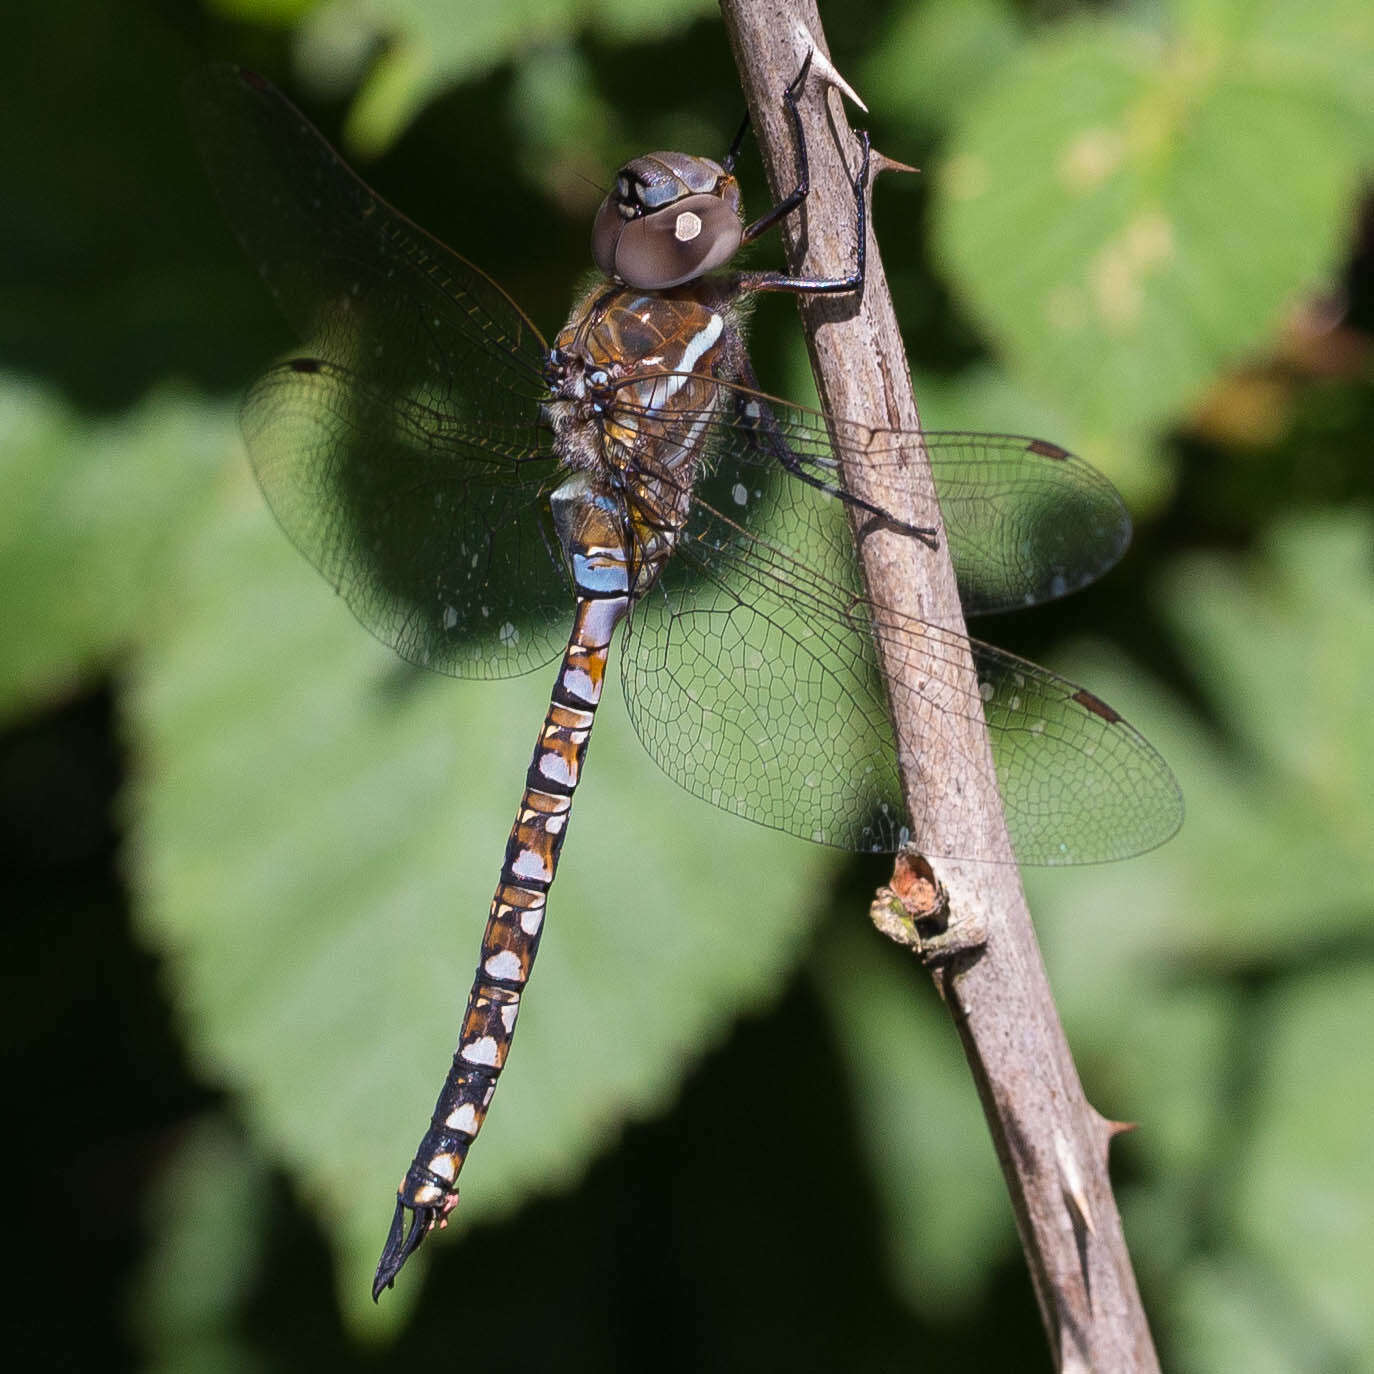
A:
{"x":437,"y":538}
{"x":752,"y":678}
{"x":1026,"y":520}
{"x":401,"y":449}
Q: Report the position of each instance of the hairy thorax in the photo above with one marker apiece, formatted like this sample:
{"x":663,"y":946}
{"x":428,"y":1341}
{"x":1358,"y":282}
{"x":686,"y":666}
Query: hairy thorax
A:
{"x":632,"y":387}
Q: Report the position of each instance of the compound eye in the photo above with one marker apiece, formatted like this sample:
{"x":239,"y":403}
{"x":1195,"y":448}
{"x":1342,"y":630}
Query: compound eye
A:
{"x":669,"y":246}
{"x":610,"y":221}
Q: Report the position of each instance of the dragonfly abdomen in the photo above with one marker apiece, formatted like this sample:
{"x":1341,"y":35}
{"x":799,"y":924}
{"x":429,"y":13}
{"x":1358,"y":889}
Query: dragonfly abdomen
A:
{"x":429,"y":1189}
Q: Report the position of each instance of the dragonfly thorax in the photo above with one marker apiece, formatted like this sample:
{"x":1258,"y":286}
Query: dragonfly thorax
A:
{"x":634,"y":374}
{"x":633,"y":391}
{"x":669,"y":219}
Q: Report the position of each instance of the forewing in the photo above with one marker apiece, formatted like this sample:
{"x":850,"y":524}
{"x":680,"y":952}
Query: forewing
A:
{"x":439,"y":542}
{"x":1026,"y":521}
{"x":401,"y":448}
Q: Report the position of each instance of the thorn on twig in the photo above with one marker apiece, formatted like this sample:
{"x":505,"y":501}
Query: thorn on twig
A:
{"x":1071,"y":1182}
{"x":822,"y":66}
{"x":880,"y":162}
{"x":1106,"y":1130}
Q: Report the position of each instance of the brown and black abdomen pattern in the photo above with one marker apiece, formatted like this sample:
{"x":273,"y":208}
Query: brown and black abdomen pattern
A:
{"x":516,"y":921}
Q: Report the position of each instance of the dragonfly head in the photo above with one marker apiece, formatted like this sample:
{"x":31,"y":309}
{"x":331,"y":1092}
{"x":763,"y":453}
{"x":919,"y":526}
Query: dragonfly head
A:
{"x":668,"y":219}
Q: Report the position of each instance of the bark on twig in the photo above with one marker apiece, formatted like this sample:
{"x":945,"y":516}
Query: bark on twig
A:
{"x":1051,"y":1142}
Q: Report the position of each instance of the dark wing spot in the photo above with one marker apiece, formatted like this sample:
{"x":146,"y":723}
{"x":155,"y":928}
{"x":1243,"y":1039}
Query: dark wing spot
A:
{"x":1046,"y":449}
{"x":1096,"y":705}
{"x":305,"y":364}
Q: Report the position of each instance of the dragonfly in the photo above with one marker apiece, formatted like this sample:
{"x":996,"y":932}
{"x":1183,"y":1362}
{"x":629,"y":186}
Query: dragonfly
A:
{"x":471,"y":490}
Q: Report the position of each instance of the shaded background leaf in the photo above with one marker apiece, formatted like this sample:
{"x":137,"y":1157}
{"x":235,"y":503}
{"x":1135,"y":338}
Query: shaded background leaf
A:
{"x":1192,"y":180}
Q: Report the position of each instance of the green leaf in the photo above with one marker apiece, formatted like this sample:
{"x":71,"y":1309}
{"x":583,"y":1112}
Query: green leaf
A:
{"x":988,"y":397}
{"x":937,"y":56}
{"x":207,"y":1215}
{"x":1305,"y":1188}
{"x":1253,"y":1181}
{"x":1127,"y":211}
{"x":1289,"y":1291}
{"x":922,"y":1128}
{"x":430,"y":45}
{"x":1318,"y":51}
{"x":1284,"y":649}
{"x":281,"y":13}
{"x":1226,"y":1315}
{"x":91,"y":511}
{"x":320,"y":828}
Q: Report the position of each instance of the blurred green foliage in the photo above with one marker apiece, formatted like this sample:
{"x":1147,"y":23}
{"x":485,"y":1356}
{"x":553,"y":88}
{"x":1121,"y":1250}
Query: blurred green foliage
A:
{"x":739,"y":1128}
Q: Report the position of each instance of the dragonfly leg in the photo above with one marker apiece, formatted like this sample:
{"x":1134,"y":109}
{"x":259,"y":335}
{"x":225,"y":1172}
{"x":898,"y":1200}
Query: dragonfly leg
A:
{"x":756,"y":417}
{"x":826,"y":286}
{"x":731,"y":157}
{"x":799,"y":192}
{"x":776,"y":281}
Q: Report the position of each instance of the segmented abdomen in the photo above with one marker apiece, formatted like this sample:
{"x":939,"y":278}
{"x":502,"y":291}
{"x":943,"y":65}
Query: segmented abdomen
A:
{"x":517,"y":911}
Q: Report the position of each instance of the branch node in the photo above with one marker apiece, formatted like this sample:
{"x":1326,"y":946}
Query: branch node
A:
{"x":912,"y":910}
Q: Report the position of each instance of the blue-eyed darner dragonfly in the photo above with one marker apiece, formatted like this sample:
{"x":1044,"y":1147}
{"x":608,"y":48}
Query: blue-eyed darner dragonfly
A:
{"x":461,"y":483}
